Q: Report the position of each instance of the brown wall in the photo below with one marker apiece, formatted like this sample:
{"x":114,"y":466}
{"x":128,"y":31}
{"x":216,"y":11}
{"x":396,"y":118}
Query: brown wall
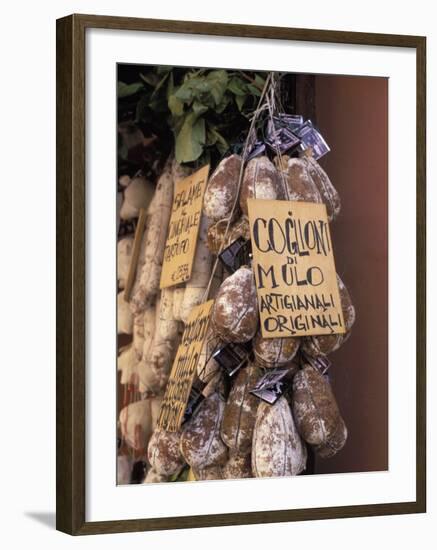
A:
{"x":352,"y":115}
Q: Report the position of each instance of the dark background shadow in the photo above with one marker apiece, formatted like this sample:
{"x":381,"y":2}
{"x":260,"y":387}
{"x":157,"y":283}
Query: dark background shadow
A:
{"x":352,"y":114}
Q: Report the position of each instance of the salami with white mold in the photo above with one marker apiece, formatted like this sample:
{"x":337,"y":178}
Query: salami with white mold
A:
{"x":200,"y":444}
{"x":261,"y":181}
{"x":273,"y":353}
{"x":240,"y":411}
{"x":164,"y":454}
{"x":324,"y":344}
{"x":221,"y":191}
{"x":278,"y":450}
{"x":316,"y":412}
{"x":234,"y":316}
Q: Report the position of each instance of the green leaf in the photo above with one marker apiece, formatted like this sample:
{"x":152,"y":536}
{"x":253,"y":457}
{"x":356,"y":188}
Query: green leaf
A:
{"x":198,"y":108}
{"x":160,"y":84}
{"x":237,"y":86}
{"x":175,"y":105}
{"x":190,"y":140}
{"x":223,"y":104}
{"x":149,"y":78}
{"x":126,"y":90}
{"x":176,"y":124}
{"x":170,"y":86}
{"x":254,"y":90}
{"x":215,"y":138}
{"x":185,"y":92}
{"x":142,"y":108}
{"x":260,"y":81}
{"x":218,"y":81}
{"x":240,"y":100}
{"x":207,"y":90}
{"x":180,"y":476}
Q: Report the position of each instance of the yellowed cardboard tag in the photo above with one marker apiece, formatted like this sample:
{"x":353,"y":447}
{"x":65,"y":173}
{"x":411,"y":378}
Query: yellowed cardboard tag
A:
{"x":294,"y":269}
{"x":183,"y":229}
{"x":184,"y":368}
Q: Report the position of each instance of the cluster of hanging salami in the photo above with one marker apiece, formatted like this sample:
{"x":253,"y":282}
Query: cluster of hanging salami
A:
{"x":234,"y":431}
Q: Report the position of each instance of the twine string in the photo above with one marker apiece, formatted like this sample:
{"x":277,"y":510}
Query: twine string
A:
{"x":258,"y":110}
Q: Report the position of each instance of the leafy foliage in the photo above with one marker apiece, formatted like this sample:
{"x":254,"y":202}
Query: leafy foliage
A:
{"x":182,"y":475}
{"x":206,"y":110}
{"x":126,"y":90}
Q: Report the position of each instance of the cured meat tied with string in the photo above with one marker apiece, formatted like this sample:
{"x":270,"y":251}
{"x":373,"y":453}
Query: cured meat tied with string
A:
{"x":256,"y":406}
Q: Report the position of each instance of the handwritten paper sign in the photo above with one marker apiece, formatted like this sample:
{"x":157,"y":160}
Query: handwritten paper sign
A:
{"x":294,"y":269}
{"x":184,"y":369}
{"x":183,"y":229}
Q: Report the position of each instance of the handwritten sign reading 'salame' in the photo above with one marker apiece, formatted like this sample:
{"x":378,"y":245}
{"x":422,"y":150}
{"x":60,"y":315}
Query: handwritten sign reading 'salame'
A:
{"x":294,"y":269}
{"x":183,"y":229}
{"x":184,"y":368}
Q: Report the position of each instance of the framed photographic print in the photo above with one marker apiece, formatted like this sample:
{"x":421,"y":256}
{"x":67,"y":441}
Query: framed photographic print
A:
{"x":240,"y":274}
